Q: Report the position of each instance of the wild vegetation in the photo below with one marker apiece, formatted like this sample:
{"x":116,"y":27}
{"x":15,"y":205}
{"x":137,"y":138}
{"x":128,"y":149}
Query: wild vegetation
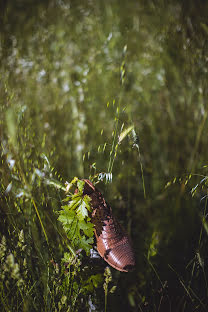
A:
{"x":116,"y":92}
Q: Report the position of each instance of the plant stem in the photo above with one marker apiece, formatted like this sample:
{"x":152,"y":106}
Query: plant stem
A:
{"x":36,"y":209}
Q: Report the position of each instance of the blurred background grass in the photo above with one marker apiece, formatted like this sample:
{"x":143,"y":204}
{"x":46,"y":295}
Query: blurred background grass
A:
{"x":74,"y":75}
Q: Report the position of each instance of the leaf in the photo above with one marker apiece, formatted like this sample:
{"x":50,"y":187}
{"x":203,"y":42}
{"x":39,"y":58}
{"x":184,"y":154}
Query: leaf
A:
{"x":87,"y":228}
{"x":112,"y":290}
{"x":124,"y":133}
{"x":73,"y":232}
{"x":86,"y":244}
{"x":82,"y":211}
{"x":97,"y":279}
{"x":74,"y":203}
{"x":69,"y":185}
{"x":76,"y":196}
{"x":67,"y":217}
{"x":153,"y":248}
{"x":80,"y":185}
{"x":67,"y":199}
{"x":93,"y":282}
{"x":87,"y":201}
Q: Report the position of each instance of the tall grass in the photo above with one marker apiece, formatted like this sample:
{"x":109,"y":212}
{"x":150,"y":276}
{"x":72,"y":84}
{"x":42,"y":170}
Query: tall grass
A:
{"x":118,"y":93}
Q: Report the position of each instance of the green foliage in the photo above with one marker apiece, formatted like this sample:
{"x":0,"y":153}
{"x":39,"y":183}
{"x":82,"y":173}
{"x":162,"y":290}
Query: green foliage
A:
{"x":153,"y":245}
{"x":108,"y":279}
{"x":76,"y":221}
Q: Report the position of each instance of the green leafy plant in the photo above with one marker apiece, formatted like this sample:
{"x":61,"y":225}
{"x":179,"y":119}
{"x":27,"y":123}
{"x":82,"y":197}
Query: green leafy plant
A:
{"x":108,"y":280}
{"x":75,"y":218}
